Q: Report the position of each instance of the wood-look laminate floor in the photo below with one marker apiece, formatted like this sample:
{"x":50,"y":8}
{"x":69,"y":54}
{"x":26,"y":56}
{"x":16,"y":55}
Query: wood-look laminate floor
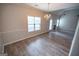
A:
{"x":48,"y":44}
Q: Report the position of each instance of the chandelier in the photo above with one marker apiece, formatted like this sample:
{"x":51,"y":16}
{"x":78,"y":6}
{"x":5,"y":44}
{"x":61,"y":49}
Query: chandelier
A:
{"x":47,"y":16}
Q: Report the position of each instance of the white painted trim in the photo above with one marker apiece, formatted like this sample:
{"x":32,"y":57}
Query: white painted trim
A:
{"x":23,"y":39}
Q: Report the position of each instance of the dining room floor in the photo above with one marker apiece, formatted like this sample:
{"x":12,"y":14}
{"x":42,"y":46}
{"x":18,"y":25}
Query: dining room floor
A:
{"x":47,"y":44}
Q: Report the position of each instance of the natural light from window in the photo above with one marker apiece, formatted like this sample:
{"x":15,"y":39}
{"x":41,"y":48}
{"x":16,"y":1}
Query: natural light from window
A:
{"x":50,"y":25}
{"x":58,"y":22}
{"x":34,"y":23}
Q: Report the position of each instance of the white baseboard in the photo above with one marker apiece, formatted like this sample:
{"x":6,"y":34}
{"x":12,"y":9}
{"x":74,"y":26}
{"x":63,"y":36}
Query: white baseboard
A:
{"x":23,"y":39}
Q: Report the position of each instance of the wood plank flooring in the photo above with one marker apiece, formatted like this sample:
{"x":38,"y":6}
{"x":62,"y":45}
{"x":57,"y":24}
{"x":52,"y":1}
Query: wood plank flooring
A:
{"x":48,"y":44}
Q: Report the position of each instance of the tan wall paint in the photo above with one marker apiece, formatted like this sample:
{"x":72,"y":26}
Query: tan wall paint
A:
{"x":0,"y":19}
{"x":0,"y":30}
{"x":1,"y":41}
{"x":14,"y":22}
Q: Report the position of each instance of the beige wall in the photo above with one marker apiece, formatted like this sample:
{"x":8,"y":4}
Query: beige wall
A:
{"x":0,"y":19}
{"x":1,"y":46}
{"x":0,"y":30}
{"x":14,"y":22}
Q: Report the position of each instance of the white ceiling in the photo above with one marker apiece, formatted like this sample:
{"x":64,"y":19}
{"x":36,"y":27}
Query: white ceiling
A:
{"x":53,"y":6}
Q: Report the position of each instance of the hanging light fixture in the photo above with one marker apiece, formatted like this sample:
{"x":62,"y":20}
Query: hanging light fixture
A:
{"x":47,"y":16}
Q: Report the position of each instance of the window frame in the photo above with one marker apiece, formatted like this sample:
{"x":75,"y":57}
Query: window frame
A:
{"x":34,"y":24}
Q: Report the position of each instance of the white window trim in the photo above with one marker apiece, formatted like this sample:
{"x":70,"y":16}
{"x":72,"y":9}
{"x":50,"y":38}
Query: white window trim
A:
{"x":34,"y":24}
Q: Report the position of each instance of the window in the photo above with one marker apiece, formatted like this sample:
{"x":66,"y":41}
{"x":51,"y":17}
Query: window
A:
{"x":58,"y":22}
{"x":33,"y":23}
{"x":50,"y":24}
